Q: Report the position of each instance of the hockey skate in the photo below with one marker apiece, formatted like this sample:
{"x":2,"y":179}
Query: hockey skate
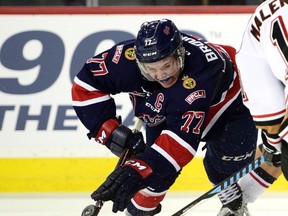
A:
{"x":232,"y":201}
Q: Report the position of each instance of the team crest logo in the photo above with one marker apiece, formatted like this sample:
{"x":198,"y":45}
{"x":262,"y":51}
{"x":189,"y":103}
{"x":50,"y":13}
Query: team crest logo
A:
{"x":188,"y":82}
{"x":130,"y":54}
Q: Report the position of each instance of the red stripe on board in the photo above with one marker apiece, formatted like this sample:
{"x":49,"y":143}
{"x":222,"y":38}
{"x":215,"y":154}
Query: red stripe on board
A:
{"x":128,"y":9}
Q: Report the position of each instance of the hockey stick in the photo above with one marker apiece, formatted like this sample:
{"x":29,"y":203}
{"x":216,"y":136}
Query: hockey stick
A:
{"x":93,"y":210}
{"x":222,"y":185}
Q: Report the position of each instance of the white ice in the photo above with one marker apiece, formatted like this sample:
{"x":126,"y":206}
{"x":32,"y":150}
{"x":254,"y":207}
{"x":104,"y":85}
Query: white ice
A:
{"x":72,"y":204}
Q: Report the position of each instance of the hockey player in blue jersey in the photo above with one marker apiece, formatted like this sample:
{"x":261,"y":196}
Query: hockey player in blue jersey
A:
{"x":185,"y":90}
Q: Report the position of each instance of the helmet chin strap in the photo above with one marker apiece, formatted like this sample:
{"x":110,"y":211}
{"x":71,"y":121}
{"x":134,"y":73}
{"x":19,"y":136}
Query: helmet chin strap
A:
{"x":181,"y":56}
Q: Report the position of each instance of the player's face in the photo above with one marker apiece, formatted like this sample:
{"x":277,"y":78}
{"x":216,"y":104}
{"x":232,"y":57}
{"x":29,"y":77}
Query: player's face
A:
{"x":165,"y":71}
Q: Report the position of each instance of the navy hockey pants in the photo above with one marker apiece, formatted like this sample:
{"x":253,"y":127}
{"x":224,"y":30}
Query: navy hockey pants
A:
{"x":231,"y":143}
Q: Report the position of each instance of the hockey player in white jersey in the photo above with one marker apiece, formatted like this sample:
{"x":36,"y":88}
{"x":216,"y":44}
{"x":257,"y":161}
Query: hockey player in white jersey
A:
{"x":263,"y":64}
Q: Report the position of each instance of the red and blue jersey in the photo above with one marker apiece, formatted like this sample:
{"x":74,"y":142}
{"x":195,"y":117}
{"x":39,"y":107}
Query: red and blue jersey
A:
{"x":206,"y":87}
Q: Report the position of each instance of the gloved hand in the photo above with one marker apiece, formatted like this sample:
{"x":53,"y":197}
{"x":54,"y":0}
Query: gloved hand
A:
{"x":271,"y":148}
{"x":123,"y":183}
{"x":118,"y":137}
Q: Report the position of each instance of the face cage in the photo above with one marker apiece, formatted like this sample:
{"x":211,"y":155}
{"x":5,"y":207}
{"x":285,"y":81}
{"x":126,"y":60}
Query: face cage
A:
{"x":179,"y":54}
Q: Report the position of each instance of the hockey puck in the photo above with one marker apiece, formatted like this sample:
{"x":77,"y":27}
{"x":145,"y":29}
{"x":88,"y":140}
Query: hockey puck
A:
{"x":90,"y":210}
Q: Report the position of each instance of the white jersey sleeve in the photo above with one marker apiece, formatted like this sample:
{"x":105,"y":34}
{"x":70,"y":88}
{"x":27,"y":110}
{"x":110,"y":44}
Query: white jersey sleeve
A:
{"x":263,"y":62}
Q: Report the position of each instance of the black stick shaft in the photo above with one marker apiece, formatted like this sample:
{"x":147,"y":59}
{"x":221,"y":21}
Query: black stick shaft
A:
{"x":126,"y":154}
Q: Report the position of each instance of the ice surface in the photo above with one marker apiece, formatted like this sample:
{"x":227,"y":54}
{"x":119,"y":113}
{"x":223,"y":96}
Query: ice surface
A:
{"x":72,"y":204}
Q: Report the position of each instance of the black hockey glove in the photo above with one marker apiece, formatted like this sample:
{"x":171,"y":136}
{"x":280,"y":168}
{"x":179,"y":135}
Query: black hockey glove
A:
{"x":270,"y":150}
{"x":118,"y":137}
{"x":123,"y":183}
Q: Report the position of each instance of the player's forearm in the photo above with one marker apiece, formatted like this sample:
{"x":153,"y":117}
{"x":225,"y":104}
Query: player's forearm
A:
{"x":272,"y":170}
{"x":271,"y":129}
{"x":274,"y":129}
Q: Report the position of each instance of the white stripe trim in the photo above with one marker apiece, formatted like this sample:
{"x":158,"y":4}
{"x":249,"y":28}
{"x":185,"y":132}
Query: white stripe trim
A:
{"x":283,"y":134}
{"x":91,"y":101}
{"x":167,"y":156}
{"x":180,"y":141}
{"x":84,"y":85}
{"x":273,"y":141}
{"x":224,"y":94}
{"x":218,"y":114}
{"x":268,"y":118}
{"x":151,"y":193}
{"x":267,"y":184}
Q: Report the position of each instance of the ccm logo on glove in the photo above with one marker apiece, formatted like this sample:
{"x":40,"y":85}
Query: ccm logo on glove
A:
{"x":140,"y":166}
{"x":106,"y":130}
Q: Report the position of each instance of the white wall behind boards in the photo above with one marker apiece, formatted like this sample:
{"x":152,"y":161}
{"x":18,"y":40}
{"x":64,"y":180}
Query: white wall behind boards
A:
{"x":40,"y":55}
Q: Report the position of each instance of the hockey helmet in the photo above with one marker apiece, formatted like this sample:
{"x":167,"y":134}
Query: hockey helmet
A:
{"x":157,"y":40}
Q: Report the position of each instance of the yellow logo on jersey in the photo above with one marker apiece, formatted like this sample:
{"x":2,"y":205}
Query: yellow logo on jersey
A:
{"x":188,"y":82}
{"x":130,"y":54}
